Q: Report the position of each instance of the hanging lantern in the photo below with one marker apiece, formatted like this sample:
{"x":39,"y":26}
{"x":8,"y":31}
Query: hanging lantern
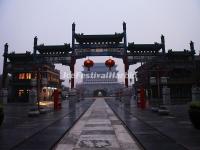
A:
{"x":110,"y":63}
{"x":88,"y":63}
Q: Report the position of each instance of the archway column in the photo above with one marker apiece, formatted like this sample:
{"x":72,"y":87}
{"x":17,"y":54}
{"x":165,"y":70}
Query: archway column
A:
{"x":5,"y":71}
{"x":126,"y":67}
{"x":72,"y":66}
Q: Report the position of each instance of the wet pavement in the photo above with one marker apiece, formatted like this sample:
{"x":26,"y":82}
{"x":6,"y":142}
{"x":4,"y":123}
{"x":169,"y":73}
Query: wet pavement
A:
{"x":98,"y":128}
{"x":22,"y":132}
{"x":155,"y":132}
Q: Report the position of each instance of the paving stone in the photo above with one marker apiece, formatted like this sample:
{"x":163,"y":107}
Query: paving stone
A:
{"x":119,"y":128}
{"x":91,"y":132}
{"x":100,"y":128}
{"x":98,"y":121}
{"x":116,"y":122}
{"x":107,"y":148}
{"x":113,"y":118}
{"x":97,"y":125}
{"x":95,"y":140}
{"x":71,"y":139}
{"x":65,"y":147}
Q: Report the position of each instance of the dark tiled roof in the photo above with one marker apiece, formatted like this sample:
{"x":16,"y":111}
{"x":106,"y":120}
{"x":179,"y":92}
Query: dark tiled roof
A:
{"x":99,"y":38}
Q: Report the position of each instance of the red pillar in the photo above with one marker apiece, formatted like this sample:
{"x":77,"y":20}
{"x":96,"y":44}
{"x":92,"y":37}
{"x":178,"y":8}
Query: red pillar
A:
{"x":126,"y":67}
{"x":57,"y":101}
{"x":72,"y":77}
{"x":72,"y":66}
{"x":142,"y":98}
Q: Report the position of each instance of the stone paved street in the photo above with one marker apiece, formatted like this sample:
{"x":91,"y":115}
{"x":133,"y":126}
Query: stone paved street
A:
{"x":99,"y":128}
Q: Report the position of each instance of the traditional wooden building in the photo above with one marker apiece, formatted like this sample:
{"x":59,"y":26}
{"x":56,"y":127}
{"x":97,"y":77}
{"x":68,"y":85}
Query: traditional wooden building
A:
{"x":27,"y":74}
{"x":176,"y":70}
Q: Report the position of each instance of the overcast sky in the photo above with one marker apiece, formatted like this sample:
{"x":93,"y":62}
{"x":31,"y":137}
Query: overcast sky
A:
{"x":50,"y":20}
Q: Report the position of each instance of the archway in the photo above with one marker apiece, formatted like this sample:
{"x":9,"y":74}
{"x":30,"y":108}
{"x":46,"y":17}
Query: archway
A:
{"x":82,"y":46}
{"x":99,"y":93}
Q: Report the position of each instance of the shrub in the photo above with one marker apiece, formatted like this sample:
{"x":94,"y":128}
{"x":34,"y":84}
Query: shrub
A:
{"x":194,"y":113}
{"x":195,"y":104}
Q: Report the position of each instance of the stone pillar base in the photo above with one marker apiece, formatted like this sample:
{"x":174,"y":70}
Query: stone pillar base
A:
{"x":195,"y":93}
{"x":166,"y":95}
{"x":33,"y":96}
{"x":4,"y":96}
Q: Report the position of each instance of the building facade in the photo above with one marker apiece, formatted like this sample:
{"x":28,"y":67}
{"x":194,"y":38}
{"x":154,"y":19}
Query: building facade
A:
{"x":99,"y":80}
{"x":26,"y":74}
{"x":174,"y":72}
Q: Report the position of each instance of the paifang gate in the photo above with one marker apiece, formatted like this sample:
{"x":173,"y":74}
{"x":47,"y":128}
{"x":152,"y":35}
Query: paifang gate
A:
{"x":82,"y":45}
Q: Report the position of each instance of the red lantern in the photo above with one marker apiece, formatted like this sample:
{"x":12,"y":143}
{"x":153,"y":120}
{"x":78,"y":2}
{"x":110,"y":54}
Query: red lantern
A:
{"x":88,"y":63}
{"x":110,"y":63}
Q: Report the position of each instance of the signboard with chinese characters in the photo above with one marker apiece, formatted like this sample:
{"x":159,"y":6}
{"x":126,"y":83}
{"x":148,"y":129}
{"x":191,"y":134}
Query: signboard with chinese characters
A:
{"x":62,"y":60}
{"x":100,"y":52}
{"x":140,"y":58}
